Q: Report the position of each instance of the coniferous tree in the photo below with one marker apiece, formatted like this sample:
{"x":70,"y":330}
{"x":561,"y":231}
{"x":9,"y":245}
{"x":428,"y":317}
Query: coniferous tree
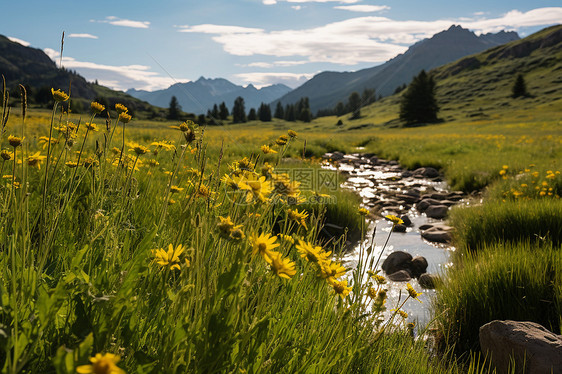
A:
{"x":279,"y":112}
{"x":340,"y":109}
{"x":264,"y":112}
{"x":305,"y":115}
{"x":174,"y":109}
{"x":223,"y":111}
{"x":354,"y":105}
{"x":519,"y":87}
{"x":418,"y":102}
{"x":368,"y":96}
{"x":239,"y":111}
{"x":290,"y":113}
{"x":252,"y":116}
{"x":215,"y":112}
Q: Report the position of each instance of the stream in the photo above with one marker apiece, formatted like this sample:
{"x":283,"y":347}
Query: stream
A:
{"x":387,"y":188}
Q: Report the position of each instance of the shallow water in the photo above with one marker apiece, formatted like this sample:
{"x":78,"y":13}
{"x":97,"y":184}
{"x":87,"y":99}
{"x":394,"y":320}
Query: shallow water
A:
{"x":371,"y":182}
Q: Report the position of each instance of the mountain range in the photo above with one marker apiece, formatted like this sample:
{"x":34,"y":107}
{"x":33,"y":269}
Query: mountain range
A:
{"x":35,"y":70}
{"x":326,"y":89}
{"x":201,"y":95}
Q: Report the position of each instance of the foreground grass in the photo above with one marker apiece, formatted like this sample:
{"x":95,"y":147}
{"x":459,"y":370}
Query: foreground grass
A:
{"x":179,"y":256}
{"x":518,"y":282}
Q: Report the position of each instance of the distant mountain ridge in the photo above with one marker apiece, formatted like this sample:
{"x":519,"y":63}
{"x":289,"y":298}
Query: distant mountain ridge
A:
{"x":32,"y":68}
{"x":326,"y":89}
{"x":201,"y":95}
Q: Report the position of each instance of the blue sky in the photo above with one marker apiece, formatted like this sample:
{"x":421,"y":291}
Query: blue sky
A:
{"x":153,"y":44}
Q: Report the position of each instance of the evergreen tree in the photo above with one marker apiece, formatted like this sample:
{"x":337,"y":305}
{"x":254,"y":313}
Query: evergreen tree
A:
{"x":174,"y":109}
{"x":239,"y":111}
{"x":368,"y":96}
{"x":418,"y":102}
{"x":279,"y":112}
{"x":223,"y":111}
{"x":290,"y":113}
{"x":215,"y":112}
{"x":305,"y":115}
{"x":340,"y":109}
{"x":264,"y":112}
{"x":252,"y":116}
{"x":354,"y":105}
{"x":519,"y":87}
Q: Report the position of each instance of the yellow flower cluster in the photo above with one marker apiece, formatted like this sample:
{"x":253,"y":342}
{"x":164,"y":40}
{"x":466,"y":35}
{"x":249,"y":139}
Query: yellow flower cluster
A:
{"x":263,"y":245}
{"x":329,"y":270}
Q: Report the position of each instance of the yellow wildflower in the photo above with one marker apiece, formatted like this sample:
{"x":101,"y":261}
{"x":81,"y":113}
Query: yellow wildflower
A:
{"x":169,"y":258}
{"x":59,"y":95}
{"x":263,"y":245}
{"x":299,"y":217}
{"x":35,"y":159}
{"x":175,"y":189}
{"x":395,"y":220}
{"x":124,"y":117}
{"x":287,"y":238}
{"x":340,"y":288}
{"x":71,"y":164}
{"x":45,"y":141}
{"x":96,"y":107}
{"x":266,"y":149}
{"x":92,"y":127}
{"x":282,"y":267}
{"x":363,"y":211}
{"x":15,"y":141}
{"x":413,"y":293}
{"x":331,"y":270}
{"x":312,"y":253}
{"x":6,"y":155}
{"x":101,"y":364}
{"x":203,"y":192}
{"x":120,"y":108}
{"x":292,"y":133}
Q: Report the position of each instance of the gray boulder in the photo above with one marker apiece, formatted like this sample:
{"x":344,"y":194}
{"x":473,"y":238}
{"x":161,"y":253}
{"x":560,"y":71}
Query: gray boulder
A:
{"x":400,"y":276}
{"x":397,"y":261}
{"x":437,"y":234}
{"x":418,"y":266}
{"x":531,"y":347}
{"x":428,"y":281}
{"x":437,"y":211}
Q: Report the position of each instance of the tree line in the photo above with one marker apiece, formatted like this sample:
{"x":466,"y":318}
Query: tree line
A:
{"x":299,"y":111}
{"x":418,"y":104}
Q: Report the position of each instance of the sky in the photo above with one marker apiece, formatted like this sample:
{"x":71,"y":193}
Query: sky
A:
{"x":151,"y":45}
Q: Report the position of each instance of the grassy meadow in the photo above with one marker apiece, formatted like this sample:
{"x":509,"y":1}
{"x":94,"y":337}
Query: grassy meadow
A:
{"x":152,"y":249}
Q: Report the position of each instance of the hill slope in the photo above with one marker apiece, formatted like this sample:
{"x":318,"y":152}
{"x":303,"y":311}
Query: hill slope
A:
{"x":478,"y":87}
{"x":201,"y":95}
{"x":326,"y":89}
{"x":32,"y":68}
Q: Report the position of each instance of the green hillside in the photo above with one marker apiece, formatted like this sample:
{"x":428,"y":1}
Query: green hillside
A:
{"x":479,"y":86}
{"x":32,"y":68}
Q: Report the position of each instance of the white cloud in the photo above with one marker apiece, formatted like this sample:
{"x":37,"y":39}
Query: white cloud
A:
{"x":16,"y":40}
{"x":87,"y":36}
{"x":362,"y":39}
{"x":273,"y":64}
{"x":266,"y":79}
{"x":218,"y":29}
{"x":363,"y":8}
{"x":112,"y":20}
{"x":271,"y":2}
{"x":116,"y":77}
{"x":296,"y":7}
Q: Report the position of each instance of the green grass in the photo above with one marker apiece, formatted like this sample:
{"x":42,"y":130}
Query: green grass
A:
{"x":507,"y":222}
{"x":519,"y":282}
